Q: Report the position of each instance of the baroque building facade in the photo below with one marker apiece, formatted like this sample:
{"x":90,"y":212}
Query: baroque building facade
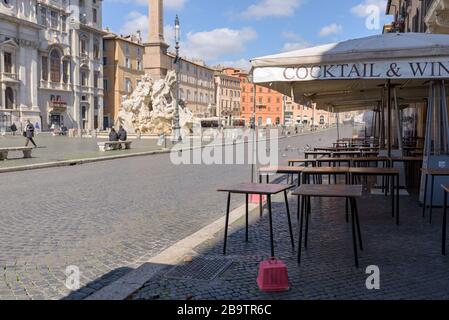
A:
{"x":51,"y":70}
{"x":123,"y":69}
{"x":228,"y":95}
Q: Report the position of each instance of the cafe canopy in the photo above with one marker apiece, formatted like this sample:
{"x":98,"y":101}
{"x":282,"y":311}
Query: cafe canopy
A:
{"x":352,"y":73}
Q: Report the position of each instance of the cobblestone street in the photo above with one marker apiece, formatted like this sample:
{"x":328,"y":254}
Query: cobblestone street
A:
{"x":107,"y":217}
{"x":403,"y":254}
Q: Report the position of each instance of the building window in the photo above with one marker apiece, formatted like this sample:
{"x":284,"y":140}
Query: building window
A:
{"x":96,"y":50}
{"x":44,"y":68}
{"x":9,"y":95}
{"x":54,"y":19}
{"x":84,"y":76}
{"x":105,"y":84}
{"x":7,"y":59}
{"x":139,"y":65}
{"x":96,"y":105}
{"x":55,"y":66}
{"x":94,"y":15}
{"x":127,"y":63}
{"x":83,"y":46}
{"x":64,"y":23}
{"x":128,"y":85}
{"x":43,"y":16}
{"x":65,"y":71}
{"x":105,"y":61}
{"x":96,"y":78}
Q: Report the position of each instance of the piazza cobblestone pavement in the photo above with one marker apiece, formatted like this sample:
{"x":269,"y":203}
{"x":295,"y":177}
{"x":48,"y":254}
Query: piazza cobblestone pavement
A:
{"x":411,"y":265}
{"x":107,"y":218}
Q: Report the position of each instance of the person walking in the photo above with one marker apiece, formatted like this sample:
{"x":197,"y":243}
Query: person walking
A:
{"x":13,"y":128}
{"x":29,"y":134}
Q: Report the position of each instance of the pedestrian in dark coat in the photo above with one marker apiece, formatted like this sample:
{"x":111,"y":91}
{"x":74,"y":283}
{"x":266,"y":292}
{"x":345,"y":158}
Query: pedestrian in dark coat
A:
{"x":113,"y":136}
{"x":122,"y":134}
{"x":13,"y":129}
{"x":29,"y":134}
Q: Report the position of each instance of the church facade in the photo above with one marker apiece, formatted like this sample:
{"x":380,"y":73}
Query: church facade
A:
{"x":51,"y":63}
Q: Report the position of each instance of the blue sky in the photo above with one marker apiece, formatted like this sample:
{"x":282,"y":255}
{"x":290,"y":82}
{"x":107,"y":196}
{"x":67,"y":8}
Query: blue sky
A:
{"x":233,"y":31}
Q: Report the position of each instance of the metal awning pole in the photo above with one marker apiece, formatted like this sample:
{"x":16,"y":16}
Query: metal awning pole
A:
{"x":445,"y":118}
{"x":398,"y":120}
{"x":389,"y":116}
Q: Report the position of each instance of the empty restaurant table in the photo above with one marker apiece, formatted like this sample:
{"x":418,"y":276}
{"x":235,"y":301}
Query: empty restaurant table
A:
{"x":316,"y":154}
{"x":392,"y":173}
{"x":435,"y":172}
{"x":351,"y":192}
{"x":320,"y":171}
{"x":288,"y":170}
{"x":262,"y":190}
{"x":304,"y":162}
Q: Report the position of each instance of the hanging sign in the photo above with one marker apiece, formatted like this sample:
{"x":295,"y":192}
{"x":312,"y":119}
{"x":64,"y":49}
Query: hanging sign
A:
{"x":401,"y":69}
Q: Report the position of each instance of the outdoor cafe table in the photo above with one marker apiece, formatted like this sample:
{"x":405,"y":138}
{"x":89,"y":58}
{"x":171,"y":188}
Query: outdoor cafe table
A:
{"x":445,"y":194}
{"x":306,"y":162}
{"x":411,"y":164}
{"x":267,"y":190}
{"x":316,"y":154}
{"x":436,"y":172}
{"x":333,"y":161}
{"x":289,"y":170}
{"x":346,"y":154}
{"x":320,"y":171}
{"x":351,"y":192}
{"x":368,"y":160}
{"x":386,"y":173}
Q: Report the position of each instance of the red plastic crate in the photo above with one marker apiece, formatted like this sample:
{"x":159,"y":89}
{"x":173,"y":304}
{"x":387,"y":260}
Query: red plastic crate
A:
{"x":273,"y":276}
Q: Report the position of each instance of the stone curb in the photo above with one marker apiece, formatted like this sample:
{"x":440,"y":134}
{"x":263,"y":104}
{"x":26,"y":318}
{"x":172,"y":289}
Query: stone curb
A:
{"x":134,"y":280}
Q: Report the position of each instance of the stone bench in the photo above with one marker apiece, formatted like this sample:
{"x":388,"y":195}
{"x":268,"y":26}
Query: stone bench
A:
{"x":113,"y":145}
{"x":4,"y":152}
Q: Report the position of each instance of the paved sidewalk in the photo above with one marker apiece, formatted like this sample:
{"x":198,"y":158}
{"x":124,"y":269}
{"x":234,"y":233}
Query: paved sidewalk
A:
{"x":411,"y":266}
{"x":60,"y":148}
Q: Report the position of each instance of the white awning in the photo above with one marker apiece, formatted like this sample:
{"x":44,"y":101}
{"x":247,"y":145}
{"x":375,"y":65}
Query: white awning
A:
{"x":356,"y":70}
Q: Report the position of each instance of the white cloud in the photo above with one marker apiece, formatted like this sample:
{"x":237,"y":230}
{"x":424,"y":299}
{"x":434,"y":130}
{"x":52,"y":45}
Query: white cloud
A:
{"x":294,"y":42}
{"x":242,"y":64}
{"x":169,"y":4}
{"x":333,"y":28}
{"x":364,"y":9}
{"x":217,"y":43}
{"x":135,"y":21}
{"x":274,"y":8}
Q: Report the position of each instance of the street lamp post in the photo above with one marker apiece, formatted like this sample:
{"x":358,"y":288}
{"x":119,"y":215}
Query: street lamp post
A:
{"x":176,"y":127}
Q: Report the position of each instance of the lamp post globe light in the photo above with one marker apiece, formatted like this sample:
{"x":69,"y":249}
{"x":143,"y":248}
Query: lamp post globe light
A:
{"x":176,"y":127}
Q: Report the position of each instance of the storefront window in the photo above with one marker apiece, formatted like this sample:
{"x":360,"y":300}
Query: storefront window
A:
{"x":55,"y":66}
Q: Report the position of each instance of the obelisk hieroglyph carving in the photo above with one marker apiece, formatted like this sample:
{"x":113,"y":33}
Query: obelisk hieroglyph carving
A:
{"x":156,"y":61}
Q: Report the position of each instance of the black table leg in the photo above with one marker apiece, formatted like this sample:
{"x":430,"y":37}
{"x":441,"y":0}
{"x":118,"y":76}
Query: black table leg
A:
{"x":308,"y":211}
{"x":425,"y":195}
{"x":300,"y":227}
{"x":357,"y":221}
{"x":271,"y":225}
{"x":431,"y":197}
{"x":354,"y":239}
{"x":397,"y":199}
{"x":289,"y":220}
{"x":246,"y":217}
{"x":443,"y":243}
{"x":226,"y":223}
{"x":392,"y":193}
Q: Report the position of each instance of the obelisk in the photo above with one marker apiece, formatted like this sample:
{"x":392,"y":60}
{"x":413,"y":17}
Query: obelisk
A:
{"x":156,"y":62}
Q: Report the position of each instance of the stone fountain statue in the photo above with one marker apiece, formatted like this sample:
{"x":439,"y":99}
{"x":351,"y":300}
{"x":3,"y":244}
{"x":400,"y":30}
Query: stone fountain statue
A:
{"x":151,"y":108}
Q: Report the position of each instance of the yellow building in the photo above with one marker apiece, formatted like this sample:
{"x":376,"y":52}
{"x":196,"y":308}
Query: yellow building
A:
{"x":123,"y":69}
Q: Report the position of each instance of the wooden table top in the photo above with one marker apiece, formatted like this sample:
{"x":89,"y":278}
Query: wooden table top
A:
{"x":281,"y":169}
{"x":400,"y":159}
{"x":256,"y":188}
{"x":436,"y":171}
{"x":370,"y":159}
{"x":374,"y":171}
{"x":329,"y":190}
{"x":318,"y":152}
{"x":326,"y":170}
{"x":301,"y":160}
{"x":342,"y":159}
